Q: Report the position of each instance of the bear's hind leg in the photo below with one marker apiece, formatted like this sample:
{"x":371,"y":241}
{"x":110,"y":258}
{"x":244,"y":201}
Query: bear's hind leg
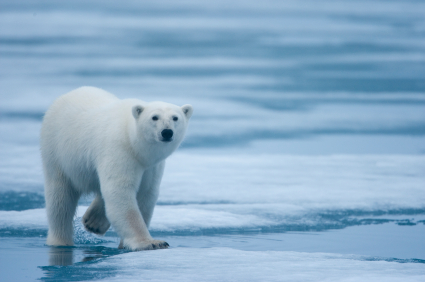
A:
{"x":94,"y":219}
{"x":61,"y":203}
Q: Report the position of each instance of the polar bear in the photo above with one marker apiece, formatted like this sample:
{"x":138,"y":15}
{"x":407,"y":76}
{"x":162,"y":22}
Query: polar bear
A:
{"x":93,"y":142}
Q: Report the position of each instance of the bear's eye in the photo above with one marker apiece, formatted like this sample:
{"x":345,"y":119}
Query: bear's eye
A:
{"x":175,"y":118}
{"x":154,"y":118}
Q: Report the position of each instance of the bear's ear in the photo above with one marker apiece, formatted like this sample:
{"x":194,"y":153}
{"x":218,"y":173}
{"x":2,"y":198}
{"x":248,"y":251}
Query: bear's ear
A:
{"x":137,"y":110}
{"x":187,"y":110}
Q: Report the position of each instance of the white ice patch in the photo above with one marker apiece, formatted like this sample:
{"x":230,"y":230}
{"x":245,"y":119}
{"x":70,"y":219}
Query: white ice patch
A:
{"x":283,"y":182}
{"x":195,"y":217}
{"x":168,"y":218}
{"x":223,"y":264}
{"x":34,"y":218}
{"x":247,"y":191}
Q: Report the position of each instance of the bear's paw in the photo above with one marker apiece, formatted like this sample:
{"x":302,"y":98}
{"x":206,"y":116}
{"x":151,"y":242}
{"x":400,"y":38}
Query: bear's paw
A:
{"x":95,"y":222}
{"x":143,"y":245}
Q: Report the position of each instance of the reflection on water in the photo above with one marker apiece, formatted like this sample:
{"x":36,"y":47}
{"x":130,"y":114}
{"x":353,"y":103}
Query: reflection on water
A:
{"x":61,"y":255}
{"x":71,"y":255}
{"x":77,"y":263}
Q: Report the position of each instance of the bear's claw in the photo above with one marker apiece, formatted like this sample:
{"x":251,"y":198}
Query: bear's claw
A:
{"x":145,"y":245}
{"x":160,"y":245}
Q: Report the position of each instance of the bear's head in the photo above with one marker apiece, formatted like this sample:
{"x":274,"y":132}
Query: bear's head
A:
{"x":162,"y":122}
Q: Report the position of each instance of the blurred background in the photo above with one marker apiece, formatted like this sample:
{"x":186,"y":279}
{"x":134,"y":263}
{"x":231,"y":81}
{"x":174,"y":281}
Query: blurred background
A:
{"x":309,"y":116}
{"x":307,"y":77}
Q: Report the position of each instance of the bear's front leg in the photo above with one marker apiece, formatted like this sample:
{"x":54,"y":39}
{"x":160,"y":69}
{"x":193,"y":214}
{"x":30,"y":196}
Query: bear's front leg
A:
{"x":149,"y":191}
{"x":119,"y":189}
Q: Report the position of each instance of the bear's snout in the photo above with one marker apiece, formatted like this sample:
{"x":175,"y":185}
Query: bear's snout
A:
{"x":167,"y":134}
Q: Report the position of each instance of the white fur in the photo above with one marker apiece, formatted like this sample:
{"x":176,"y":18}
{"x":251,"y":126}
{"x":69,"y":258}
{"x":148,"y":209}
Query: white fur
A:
{"x":93,"y":142}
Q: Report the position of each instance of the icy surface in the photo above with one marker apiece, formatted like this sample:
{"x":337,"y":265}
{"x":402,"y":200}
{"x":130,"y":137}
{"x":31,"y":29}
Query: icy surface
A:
{"x":266,"y":191}
{"x":218,"y":264}
{"x":304,"y":159}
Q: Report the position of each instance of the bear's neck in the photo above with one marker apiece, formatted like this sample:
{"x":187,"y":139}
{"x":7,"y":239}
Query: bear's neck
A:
{"x":154,"y":153}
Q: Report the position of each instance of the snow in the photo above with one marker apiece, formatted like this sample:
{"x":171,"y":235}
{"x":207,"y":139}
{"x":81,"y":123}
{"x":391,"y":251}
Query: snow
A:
{"x":33,"y":218}
{"x":201,"y":191}
{"x":345,"y":182}
{"x":225,"y":264}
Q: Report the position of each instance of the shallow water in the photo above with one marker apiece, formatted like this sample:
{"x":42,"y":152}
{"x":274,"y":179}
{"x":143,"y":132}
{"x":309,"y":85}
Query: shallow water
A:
{"x":304,"y":159}
{"x":368,"y":242}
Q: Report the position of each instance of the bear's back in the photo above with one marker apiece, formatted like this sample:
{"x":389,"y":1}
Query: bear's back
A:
{"x":85,"y":98}
{"x":77,"y":108}
{"x":75,"y":120}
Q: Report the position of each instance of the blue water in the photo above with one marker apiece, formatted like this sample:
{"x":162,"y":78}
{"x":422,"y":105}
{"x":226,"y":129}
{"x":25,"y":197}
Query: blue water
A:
{"x":285,"y":94}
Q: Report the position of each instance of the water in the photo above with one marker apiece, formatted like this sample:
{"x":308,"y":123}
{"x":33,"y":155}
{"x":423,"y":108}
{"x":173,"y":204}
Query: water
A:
{"x":304,"y":160}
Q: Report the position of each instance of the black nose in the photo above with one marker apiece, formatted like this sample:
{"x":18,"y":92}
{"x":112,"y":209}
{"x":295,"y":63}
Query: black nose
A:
{"x":167,"y":133}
